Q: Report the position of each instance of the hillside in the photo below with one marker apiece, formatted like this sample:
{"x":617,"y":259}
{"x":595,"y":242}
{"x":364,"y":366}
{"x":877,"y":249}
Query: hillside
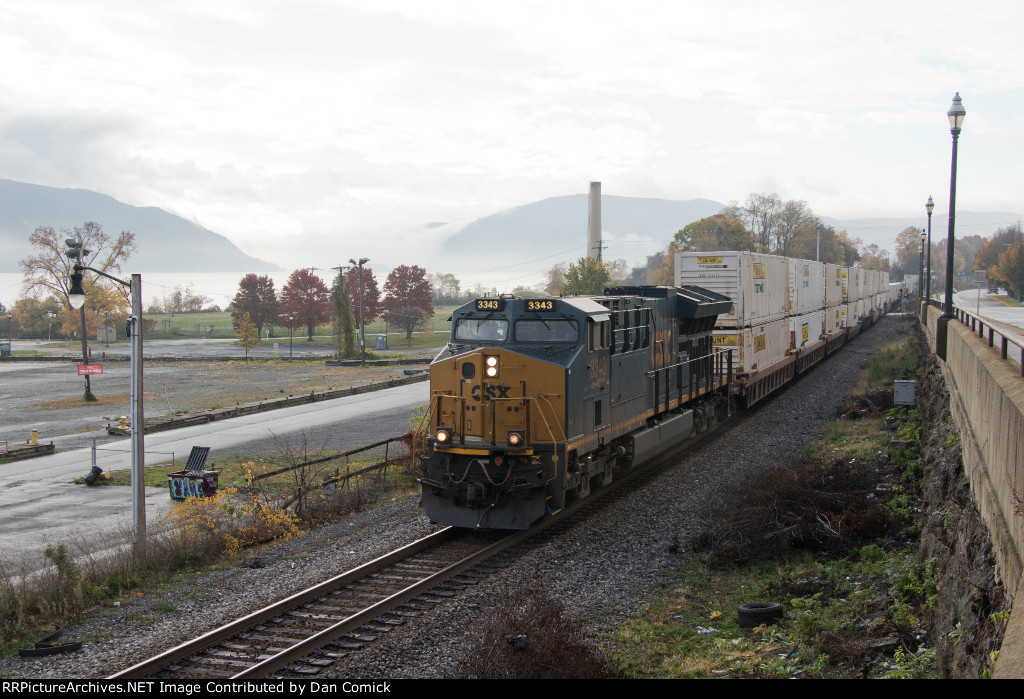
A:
{"x":165,"y":242}
{"x":556,"y":224}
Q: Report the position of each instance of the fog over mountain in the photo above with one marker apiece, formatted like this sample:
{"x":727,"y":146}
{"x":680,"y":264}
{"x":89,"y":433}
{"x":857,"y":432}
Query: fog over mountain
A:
{"x":164,"y":242}
{"x":503,"y":249}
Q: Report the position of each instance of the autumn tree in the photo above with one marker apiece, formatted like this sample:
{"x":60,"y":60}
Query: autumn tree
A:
{"x":908,"y":252}
{"x":35,"y":318}
{"x":248,"y":333}
{"x":445,"y":288}
{"x":585,"y":276}
{"x":555,"y":278}
{"x":257,"y":298}
{"x":815,"y":240}
{"x":1009,"y":271}
{"x":723,"y":231}
{"x":874,"y":257}
{"x":342,"y":321}
{"x":987,"y":256}
{"x":49,"y":270}
{"x":180,"y":300}
{"x":407,"y":298}
{"x":371,"y":303}
{"x":306,"y":297}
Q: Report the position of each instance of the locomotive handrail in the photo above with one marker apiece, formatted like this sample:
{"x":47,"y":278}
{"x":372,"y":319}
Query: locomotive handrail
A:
{"x":710,"y":380}
{"x":565,"y":440}
{"x":978,"y":323}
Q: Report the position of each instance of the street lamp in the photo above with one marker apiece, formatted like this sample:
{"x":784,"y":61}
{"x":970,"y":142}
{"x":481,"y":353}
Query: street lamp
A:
{"x":929,"y":207}
{"x":956,"y":115}
{"x":290,"y":319}
{"x":362,"y":328}
{"x":76,"y":298}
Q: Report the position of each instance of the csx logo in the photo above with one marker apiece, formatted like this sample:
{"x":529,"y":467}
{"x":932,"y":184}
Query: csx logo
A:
{"x":491,"y":391}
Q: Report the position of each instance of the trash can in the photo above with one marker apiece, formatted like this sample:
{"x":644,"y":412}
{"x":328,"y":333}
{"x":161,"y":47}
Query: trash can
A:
{"x":382,"y":341}
{"x":192,"y":484}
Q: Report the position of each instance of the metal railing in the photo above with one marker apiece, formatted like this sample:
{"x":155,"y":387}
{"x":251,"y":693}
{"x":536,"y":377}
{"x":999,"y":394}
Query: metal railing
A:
{"x":980,"y":325}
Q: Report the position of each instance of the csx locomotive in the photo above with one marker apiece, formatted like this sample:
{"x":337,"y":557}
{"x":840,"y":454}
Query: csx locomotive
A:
{"x":535,"y":401}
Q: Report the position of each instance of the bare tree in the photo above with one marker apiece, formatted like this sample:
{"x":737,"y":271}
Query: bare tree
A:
{"x":50,"y":269}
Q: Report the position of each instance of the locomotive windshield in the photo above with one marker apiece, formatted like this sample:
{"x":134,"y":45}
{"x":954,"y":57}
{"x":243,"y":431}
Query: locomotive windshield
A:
{"x":547,"y":331}
{"x":481,"y":329}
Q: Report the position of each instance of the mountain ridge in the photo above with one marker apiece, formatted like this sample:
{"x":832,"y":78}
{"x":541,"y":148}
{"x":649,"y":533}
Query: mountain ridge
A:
{"x":164,"y":241}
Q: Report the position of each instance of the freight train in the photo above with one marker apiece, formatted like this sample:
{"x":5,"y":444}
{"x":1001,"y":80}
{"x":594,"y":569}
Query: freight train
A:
{"x":534,"y":402}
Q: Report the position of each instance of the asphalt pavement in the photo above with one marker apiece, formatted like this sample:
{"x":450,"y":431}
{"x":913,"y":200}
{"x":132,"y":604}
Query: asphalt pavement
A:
{"x":40,"y":506}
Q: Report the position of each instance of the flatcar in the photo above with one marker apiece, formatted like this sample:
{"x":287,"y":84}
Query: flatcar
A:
{"x":535,"y":401}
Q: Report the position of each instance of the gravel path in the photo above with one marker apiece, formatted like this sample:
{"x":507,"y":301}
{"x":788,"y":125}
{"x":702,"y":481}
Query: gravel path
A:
{"x":603,"y":568}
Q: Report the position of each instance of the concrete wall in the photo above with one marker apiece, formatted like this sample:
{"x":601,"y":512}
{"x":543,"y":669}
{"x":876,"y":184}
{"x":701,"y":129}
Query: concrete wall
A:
{"x":987,"y":405}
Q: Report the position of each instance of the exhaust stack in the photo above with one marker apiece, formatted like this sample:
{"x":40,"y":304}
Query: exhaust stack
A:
{"x":594,"y":241}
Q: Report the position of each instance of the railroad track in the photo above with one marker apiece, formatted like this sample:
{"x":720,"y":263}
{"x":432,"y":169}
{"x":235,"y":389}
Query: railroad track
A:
{"x":312,"y":629}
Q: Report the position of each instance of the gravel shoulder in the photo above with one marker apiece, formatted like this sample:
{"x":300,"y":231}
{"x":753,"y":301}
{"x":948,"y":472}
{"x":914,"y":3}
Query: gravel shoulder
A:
{"x":603,"y":568}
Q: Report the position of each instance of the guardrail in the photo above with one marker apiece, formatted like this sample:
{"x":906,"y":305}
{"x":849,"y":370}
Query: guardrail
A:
{"x":979,"y":325}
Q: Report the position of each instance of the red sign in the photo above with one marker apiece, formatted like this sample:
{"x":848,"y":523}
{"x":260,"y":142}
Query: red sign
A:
{"x":88,"y":369}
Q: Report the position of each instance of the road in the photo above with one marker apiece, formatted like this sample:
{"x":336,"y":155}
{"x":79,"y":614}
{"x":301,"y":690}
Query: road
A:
{"x":212,"y":348}
{"x":40,"y":505}
{"x":1008,"y":320}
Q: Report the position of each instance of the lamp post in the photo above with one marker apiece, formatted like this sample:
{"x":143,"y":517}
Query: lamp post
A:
{"x":76,"y":298}
{"x":50,"y":315}
{"x":362,"y":328}
{"x":290,"y":319}
{"x":929,"y":207}
{"x":956,"y":115}
{"x":920,"y":278}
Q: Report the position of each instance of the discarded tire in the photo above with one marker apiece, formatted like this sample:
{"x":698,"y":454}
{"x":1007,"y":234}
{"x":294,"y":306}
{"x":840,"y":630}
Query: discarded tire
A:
{"x":753,"y":614}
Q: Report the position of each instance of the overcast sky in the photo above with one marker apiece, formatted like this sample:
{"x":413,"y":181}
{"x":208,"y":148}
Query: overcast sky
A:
{"x":349,"y":125}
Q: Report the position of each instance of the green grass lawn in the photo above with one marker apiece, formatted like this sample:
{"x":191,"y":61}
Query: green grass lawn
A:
{"x":169,"y":326}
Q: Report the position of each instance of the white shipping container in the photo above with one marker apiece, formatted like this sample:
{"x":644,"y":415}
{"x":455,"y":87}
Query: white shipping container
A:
{"x":757,"y":347}
{"x":855,"y":286}
{"x":757,"y":283}
{"x":846,"y":283}
{"x":833,"y":285}
{"x":806,"y":286}
{"x":853,"y":313}
{"x":806,"y":329}
{"x":835,"y":319}
{"x":844,"y":315}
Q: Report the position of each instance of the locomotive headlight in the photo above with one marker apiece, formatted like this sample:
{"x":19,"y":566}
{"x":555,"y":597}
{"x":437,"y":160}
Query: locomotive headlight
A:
{"x":491,"y":367}
{"x":516,"y":438}
{"x":443,"y":435}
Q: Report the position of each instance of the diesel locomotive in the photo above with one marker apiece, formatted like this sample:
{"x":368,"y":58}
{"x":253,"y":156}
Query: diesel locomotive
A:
{"x":535,"y":401}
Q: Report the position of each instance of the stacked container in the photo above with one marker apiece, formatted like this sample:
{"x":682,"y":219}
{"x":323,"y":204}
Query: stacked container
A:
{"x":757,"y":347}
{"x":757,"y":283}
{"x":780,"y":304}
{"x":806,"y":329}
{"x":806,"y":286}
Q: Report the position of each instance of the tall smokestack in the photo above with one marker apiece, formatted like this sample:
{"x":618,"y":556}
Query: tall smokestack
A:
{"x":594,"y":227}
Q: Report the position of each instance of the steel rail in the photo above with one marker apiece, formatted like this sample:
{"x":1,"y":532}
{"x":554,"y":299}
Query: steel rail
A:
{"x":317,"y":641}
{"x":230,"y":629}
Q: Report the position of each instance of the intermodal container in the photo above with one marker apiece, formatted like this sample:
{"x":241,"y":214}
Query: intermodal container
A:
{"x":806,"y":286}
{"x":758,"y":284}
{"x":757,"y":347}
